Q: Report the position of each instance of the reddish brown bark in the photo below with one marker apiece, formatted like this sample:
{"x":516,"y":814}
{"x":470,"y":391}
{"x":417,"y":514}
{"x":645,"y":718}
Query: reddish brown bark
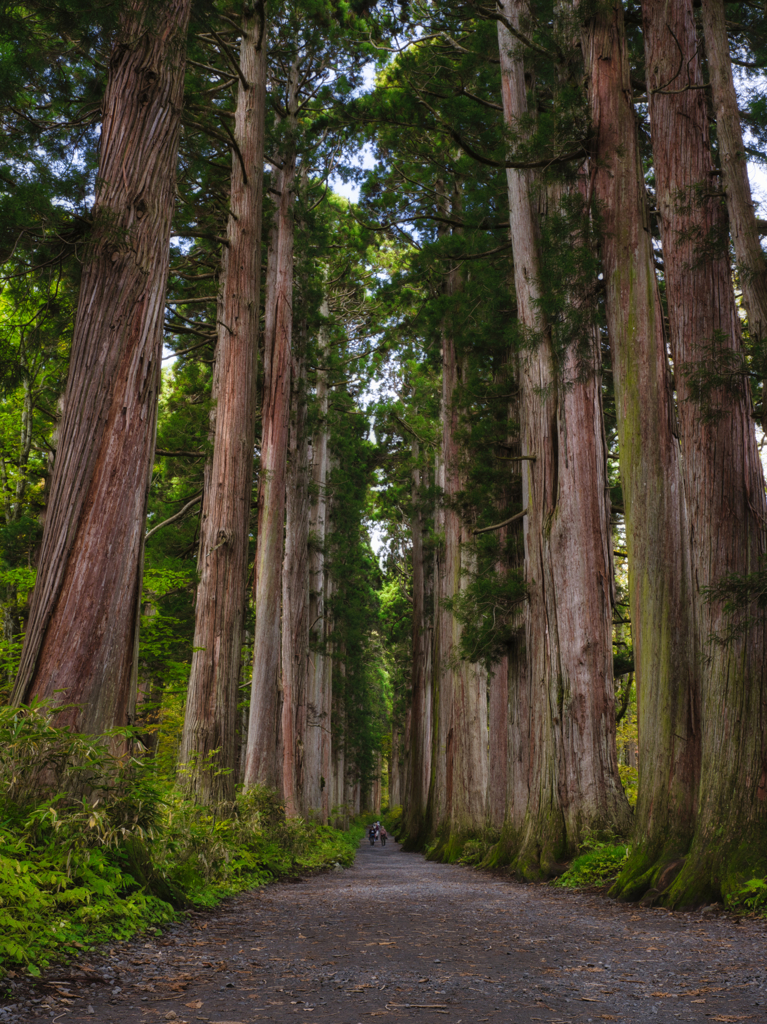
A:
{"x":656,"y":526}
{"x":316,"y":781}
{"x":572,"y":784}
{"x":210,"y":717}
{"x":459,"y":757}
{"x":722,"y":472}
{"x":82,"y":633}
{"x":295,"y":593}
{"x":418,"y":745}
{"x":744,"y":232}
{"x":263,"y":759}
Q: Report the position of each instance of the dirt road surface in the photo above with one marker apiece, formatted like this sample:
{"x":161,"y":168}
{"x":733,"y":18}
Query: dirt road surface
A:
{"x":399,"y":939}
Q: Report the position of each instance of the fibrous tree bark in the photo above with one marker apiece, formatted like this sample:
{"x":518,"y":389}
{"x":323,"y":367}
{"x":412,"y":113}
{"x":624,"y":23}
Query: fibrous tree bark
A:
{"x":744,"y":232}
{"x":418,"y":747}
{"x":723,"y":477}
{"x":208,"y":745}
{"x":459,"y":756}
{"x":295,"y":591}
{"x":263,"y":763}
{"x":656,"y":525}
{"x":572,"y":783}
{"x":82,"y":633}
{"x":317,"y":782}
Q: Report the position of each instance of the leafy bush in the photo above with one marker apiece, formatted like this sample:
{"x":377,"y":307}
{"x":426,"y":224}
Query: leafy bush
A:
{"x":752,"y":897}
{"x":597,"y":866}
{"x":94,"y":846}
{"x":629,"y":776}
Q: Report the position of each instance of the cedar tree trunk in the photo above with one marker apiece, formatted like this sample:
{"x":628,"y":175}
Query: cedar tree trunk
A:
{"x":418,"y":750}
{"x":316,"y":780}
{"x":723,"y":478}
{"x":83,"y":628}
{"x":263,"y":761}
{"x":208,"y":743}
{"x":457,"y":796}
{"x":572,"y":780}
{"x":656,"y":527}
{"x":744,"y":232}
{"x":295,"y":592}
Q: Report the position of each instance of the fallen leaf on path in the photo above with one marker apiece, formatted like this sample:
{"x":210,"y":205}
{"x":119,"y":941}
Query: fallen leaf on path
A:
{"x":589,"y":999}
{"x":196,"y":1005}
{"x":662,"y":995}
{"x":729,"y":1017}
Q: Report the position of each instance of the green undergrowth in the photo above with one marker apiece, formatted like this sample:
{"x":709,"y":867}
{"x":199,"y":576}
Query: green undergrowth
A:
{"x":391,"y":819}
{"x":751,"y":898}
{"x":599,"y":864}
{"x":95,"y":847}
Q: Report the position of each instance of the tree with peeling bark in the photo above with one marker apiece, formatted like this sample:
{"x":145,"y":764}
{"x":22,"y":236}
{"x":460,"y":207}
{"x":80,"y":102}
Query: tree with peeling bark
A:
{"x":724,"y":482}
{"x":208,"y":746}
{"x":660,"y":587}
{"x":572,"y":785}
{"x":751,"y":262}
{"x":83,"y":630}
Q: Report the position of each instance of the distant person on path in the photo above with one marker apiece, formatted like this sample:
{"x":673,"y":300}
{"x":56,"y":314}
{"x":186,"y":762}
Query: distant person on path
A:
{"x":372,"y":834}
{"x":383,"y":834}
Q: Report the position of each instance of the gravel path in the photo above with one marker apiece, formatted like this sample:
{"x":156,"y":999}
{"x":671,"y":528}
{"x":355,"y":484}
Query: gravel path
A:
{"x":401,"y":939}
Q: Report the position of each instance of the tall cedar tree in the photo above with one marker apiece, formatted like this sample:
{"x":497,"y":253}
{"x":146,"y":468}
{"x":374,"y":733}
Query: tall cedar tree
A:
{"x":263,"y":762}
{"x":208,"y":746}
{"x":723,"y":478}
{"x":660,"y":594}
{"x":83,"y":626}
{"x":571,"y":782}
{"x":751,"y":262}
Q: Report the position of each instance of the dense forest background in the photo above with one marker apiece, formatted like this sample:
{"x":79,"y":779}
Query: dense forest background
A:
{"x":448,"y":497}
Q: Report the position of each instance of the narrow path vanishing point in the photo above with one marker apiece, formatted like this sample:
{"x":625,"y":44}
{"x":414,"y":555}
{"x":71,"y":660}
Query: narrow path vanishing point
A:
{"x":402,"y":939}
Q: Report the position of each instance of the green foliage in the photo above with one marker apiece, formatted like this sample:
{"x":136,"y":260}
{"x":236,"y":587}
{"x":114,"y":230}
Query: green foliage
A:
{"x":391,"y":819}
{"x":599,"y":865}
{"x":94,"y":846}
{"x":752,"y":896}
{"x":488,"y":609}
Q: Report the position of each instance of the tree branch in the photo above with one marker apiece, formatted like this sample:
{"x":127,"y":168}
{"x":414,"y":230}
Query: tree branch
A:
{"x":173,"y":519}
{"x":487,"y":529}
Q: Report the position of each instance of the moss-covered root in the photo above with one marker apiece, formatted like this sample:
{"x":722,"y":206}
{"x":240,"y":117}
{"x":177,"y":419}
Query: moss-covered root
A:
{"x":716,"y":871}
{"x":449,"y":848}
{"x":648,"y":871}
{"x":532,"y":854}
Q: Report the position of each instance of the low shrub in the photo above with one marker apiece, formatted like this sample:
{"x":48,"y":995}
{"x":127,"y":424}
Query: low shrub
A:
{"x":596,"y":867}
{"x":751,"y":897}
{"x":95,"y":846}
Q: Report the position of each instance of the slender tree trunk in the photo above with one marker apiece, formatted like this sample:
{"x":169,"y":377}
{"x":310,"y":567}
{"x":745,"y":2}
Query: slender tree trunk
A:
{"x":82,"y":634}
{"x":315,"y":792}
{"x":744,"y":232}
{"x":722,"y":472}
{"x":208,"y":743}
{"x":573,"y":784}
{"x":326,"y":707}
{"x":418,"y":750}
{"x":656,"y":527}
{"x":263,"y":760}
{"x":295,"y":593}
{"x":457,"y":795}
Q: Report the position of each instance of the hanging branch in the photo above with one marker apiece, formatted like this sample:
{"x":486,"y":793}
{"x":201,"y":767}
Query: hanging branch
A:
{"x":197,"y":498}
{"x":487,"y":529}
